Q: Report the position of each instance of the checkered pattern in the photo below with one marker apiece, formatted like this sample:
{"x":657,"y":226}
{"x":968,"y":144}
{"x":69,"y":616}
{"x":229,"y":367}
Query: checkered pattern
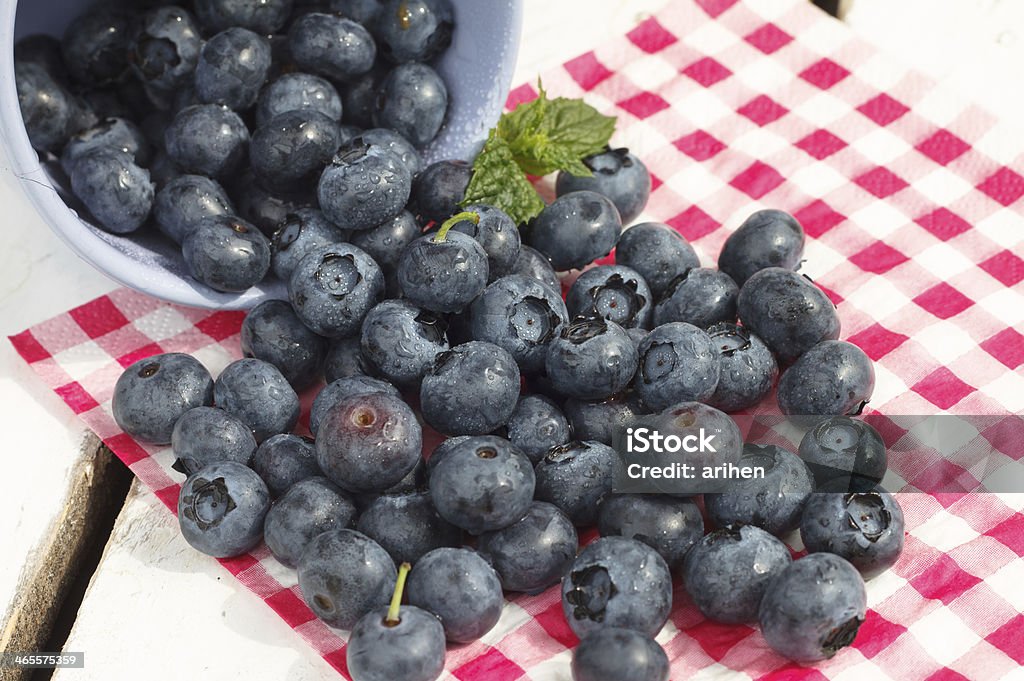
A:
{"x":911,"y":199}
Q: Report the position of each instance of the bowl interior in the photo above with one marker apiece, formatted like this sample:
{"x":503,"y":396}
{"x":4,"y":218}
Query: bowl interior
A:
{"x":477,"y":69}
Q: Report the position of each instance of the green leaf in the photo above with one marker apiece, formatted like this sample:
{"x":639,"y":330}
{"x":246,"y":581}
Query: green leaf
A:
{"x":498,"y":181}
{"x":577,"y":127}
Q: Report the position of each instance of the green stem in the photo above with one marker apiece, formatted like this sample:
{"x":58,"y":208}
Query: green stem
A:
{"x":396,"y":598}
{"x":454,"y":220}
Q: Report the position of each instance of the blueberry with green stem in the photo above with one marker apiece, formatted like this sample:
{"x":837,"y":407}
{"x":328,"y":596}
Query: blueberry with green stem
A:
{"x":446,"y":271}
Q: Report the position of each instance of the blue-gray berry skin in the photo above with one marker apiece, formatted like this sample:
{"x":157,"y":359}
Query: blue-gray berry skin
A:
{"x":407,"y":526}
{"x":303,"y":231}
{"x":788,"y":312}
{"x":162,"y":171}
{"x":657,"y":252}
{"x":268,"y":210}
{"x":387,"y":241}
{"x":768,"y":238}
{"x":576,"y":229}
{"x":264,"y":17}
{"x":232,"y":68}
{"x":283,"y":460}
{"x":111,"y":133}
{"x":813,"y":608}
{"x":482,"y":483}
{"x":226,"y":253}
{"x":154,"y":392}
{"x":842,"y":447}
{"x":411,"y":649}
{"x":831,"y":378}
{"x":401,"y":341}
{"x":728,"y":571}
{"x":536,"y":425}
{"x":460,"y":588}
{"x":331,"y":46}
{"x":297,"y":92}
{"x":413,"y":101}
{"x":363,"y":186}
{"x":309,"y":508}
{"x":747,"y":367}
{"x":520,"y":314}
{"x":533,"y":553}
{"x":339,"y":389}
{"x":343,"y":575}
{"x":117,"y":192}
{"x":396,"y":144}
{"x":359,"y":95}
{"x":345,"y":359}
{"x":272,"y":331}
{"x":45,"y":50}
{"x":532,"y":263}
{"x":438,"y":190}
{"x":293,"y":147}
{"x":50,"y":112}
{"x":668,"y":525}
{"x":187,"y":199}
{"x":865,"y":528}
{"x":368,"y":442}
{"x":333,"y":287}
{"x":445,"y":275}
{"x":221,"y":509}
{"x":499,"y":236}
{"x":442,"y":450}
{"x":774,"y":502}
{"x":613,"y":292}
{"x":256,"y":392}
{"x":165,"y":47}
{"x":363,"y":11}
{"x":95,"y":46}
{"x":702,"y":297}
{"x":602,"y":420}
{"x":617,"y":174}
{"x":207,"y":139}
{"x":617,"y":582}
{"x":470,"y":389}
{"x":576,"y":477}
{"x":206,"y":435}
{"x":678,"y":363}
{"x":414,"y":30}
{"x":591,"y":359}
{"x":613,"y":653}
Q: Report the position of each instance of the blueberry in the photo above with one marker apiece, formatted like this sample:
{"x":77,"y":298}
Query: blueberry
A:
{"x":617,"y":582}
{"x":413,"y":101}
{"x":187,"y":199}
{"x":407,"y":526}
{"x":442,"y":450}
{"x":154,"y":392}
{"x":678,"y":363}
{"x":668,"y":525}
{"x":591,"y":359}
{"x":164,"y":48}
{"x":460,"y":588}
{"x":576,"y":477}
{"x":498,"y":235}
{"x":342,"y":388}
{"x":613,"y":653}
{"x":359,"y":96}
{"x":232,"y":68}
{"x":768,"y":238}
{"x":700,"y":296}
{"x":362,"y":11}
{"x":206,"y":435}
{"x":283,"y":460}
{"x":813,"y":608}
{"x":470,"y":389}
{"x":536,"y":425}
{"x":603,"y":420}
{"x":364,"y":186}
{"x":657,"y":252}
{"x":221,"y":509}
{"x":263,"y":17}
{"x":748,"y":368}
{"x":396,"y":144}
{"x":226,"y":253}
{"x":617,"y":174}
{"x":403,"y":642}
{"x":117,"y":192}
{"x":44,"y":50}
{"x":298,"y":92}
{"x":521,"y":315}
{"x":728,"y":571}
{"x":841,"y":447}
{"x":578,"y":228}
{"x":257,"y":393}
{"x":343,"y":575}
{"x":533,"y":553}
{"x":865,"y":528}
{"x":345,"y":359}
{"x":331,"y":46}
{"x":207,"y":139}
{"x":387,"y":241}
{"x":400,"y":341}
{"x":269,"y":210}
{"x":50,"y":112}
{"x":332,"y":289}
{"x":111,"y":133}
{"x":414,"y":30}
{"x":293,"y":147}
{"x":439,"y":189}
{"x":310,"y":507}
{"x":303,"y":231}
{"x":787,"y":311}
{"x":831,"y":378}
{"x":614,"y":292}
{"x":532,"y":263}
{"x":368,"y":442}
{"x":414,"y":481}
{"x":773,"y":503}
{"x":482,"y":483}
{"x":272,"y":331}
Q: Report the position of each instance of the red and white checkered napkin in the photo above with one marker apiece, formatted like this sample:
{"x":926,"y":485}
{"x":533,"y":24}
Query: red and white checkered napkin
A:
{"x":911,"y":198}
